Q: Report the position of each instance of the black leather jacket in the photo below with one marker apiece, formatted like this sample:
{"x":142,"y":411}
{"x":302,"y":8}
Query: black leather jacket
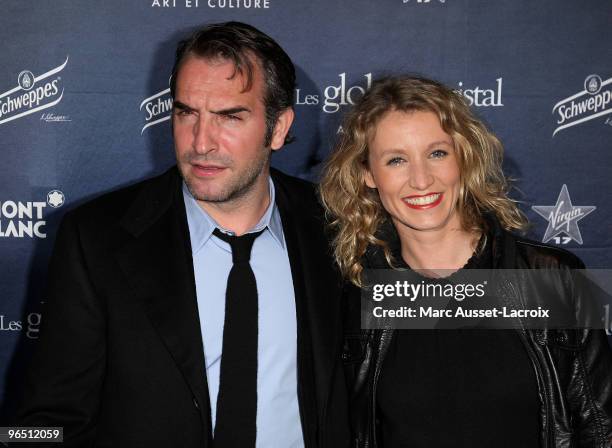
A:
{"x":573,"y":367}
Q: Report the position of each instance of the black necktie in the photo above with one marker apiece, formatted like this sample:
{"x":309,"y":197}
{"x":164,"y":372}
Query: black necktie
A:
{"x":237,"y":400}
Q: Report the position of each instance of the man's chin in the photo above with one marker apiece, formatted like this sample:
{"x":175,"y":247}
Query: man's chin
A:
{"x":227,"y":189}
{"x":209,"y":195}
{"x":214,"y":195}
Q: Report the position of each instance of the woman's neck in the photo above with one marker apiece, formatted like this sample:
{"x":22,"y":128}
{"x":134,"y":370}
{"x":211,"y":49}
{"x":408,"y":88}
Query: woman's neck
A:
{"x":441,"y":250}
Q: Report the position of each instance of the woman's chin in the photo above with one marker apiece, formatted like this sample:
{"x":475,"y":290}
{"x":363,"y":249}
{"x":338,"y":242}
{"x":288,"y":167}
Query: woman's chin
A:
{"x":432,"y":224}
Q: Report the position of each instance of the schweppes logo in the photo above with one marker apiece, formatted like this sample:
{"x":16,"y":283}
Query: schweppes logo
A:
{"x":157,"y":108}
{"x":32,"y":94}
{"x":592,"y":102}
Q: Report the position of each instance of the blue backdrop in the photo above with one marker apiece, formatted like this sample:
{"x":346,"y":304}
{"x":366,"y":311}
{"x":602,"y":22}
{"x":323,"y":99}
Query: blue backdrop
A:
{"x":84,"y":107}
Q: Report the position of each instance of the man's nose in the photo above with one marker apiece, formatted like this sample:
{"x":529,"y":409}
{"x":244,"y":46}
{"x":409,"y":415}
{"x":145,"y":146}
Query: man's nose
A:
{"x":204,"y":136}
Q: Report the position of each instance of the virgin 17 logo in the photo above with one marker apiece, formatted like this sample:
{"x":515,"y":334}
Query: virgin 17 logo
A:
{"x":563,"y":218}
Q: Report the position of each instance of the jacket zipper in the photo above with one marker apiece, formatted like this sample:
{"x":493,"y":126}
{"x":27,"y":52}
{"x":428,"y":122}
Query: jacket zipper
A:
{"x":325,"y":407}
{"x":377,"y":371}
{"x":536,"y":363}
{"x":548,"y":430}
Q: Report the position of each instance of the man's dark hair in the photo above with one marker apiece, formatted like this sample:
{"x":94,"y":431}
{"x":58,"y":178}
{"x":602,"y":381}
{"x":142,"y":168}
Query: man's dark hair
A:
{"x":238,"y":42}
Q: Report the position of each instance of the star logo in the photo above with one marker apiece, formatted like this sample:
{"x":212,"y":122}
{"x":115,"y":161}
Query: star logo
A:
{"x":55,"y":198}
{"x":563,"y":217}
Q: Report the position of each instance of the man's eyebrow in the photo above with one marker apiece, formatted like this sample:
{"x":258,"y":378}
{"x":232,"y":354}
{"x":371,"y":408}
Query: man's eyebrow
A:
{"x":231,"y":110}
{"x":181,"y":106}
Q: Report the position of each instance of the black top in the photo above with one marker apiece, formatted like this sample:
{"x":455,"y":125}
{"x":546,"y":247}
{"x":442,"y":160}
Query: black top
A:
{"x":454,"y":388}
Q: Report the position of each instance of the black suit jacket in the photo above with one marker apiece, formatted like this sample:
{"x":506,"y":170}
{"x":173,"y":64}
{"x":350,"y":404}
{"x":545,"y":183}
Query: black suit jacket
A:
{"x":120,"y":361}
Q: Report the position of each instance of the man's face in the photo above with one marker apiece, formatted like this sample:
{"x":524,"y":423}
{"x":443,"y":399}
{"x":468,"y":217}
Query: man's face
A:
{"x":219,"y":130}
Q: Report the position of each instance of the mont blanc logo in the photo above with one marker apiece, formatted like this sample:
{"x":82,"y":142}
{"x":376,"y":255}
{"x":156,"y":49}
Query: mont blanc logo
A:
{"x":563,"y":218}
{"x":592,"y":102}
{"x":32,"y":94}
{"x":21,"y":219}
{"x":157,"y":108}
{"x":55,"y":198}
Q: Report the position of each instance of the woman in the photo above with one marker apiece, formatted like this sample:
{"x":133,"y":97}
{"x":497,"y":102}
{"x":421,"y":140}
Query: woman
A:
{"x":416,"y":182}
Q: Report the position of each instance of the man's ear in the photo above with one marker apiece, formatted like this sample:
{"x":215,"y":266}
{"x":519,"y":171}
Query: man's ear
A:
{"x":281,"y":128}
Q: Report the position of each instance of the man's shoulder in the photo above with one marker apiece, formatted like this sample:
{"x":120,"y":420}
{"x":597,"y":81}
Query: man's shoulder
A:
{"x":292,"y":183}
{"x":113,"y":206}
{"x":294,"y":191}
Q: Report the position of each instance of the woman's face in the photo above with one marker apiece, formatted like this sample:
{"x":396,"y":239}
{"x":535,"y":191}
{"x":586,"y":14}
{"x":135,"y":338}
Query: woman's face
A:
{"x":412,"y":163}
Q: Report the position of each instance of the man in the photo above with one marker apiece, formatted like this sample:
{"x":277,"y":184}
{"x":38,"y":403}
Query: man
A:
{"x":157,"y":332}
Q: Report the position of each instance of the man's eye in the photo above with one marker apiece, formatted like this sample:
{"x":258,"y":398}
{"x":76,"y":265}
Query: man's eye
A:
{"x":231,"y":117}
{"x":183,"y":112}
{"x":395,"y":161}
{"x":438,"y":154}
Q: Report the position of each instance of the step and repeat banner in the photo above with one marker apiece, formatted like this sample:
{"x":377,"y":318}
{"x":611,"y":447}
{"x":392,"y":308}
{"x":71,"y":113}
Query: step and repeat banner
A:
{"x":85,"y":106}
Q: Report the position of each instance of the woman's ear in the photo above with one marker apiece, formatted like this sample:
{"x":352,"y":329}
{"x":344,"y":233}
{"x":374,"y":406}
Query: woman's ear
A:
{"x":369,"y":179}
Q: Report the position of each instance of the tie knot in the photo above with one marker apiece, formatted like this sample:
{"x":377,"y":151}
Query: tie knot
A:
{"x":241,"y":245}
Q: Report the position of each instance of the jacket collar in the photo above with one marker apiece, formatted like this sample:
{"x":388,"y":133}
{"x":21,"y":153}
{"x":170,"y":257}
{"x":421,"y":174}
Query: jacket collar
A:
{"x":502,"y":245}
{"x":202,"y":225}
{"x":154,"y":199}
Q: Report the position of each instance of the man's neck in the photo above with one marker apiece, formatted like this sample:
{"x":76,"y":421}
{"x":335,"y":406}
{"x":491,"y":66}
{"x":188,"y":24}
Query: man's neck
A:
{"x":241,"y":214}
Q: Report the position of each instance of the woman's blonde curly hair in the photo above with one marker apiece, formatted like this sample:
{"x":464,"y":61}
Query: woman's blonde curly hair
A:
{"x":355,"y":210}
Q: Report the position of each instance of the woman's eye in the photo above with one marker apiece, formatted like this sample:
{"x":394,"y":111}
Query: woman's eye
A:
{"x":438,"y":154}
{"x":395,"y":161}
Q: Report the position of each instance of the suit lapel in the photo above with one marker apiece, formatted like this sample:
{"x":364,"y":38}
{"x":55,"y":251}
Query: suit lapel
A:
{"x":158,"y":266}
{"x":317,"y":294}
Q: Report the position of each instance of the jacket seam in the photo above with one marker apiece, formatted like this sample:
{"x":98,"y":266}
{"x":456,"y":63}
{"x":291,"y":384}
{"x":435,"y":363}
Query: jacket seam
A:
{"x":557,"y":250}
{"x":592,"y":402}
{"x":547,"y":427}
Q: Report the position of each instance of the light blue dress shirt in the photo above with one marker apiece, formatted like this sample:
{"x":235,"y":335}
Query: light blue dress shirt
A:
{"x":278,"y":415}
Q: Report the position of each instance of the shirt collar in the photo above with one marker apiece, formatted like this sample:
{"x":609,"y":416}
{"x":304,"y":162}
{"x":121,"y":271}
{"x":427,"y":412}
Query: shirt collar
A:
{"x":202,"y":225}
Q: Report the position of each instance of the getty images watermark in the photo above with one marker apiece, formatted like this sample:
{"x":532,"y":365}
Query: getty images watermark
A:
{"x":490,"y":299}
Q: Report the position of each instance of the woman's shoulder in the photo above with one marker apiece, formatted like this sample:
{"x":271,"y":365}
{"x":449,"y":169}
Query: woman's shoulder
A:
{"x":537,"y":255}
